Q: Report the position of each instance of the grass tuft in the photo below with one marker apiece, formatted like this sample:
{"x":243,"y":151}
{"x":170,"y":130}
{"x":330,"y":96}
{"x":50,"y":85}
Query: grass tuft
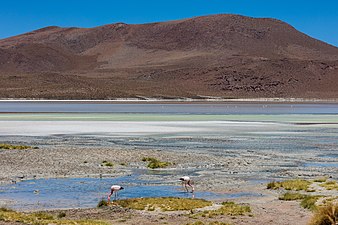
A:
{"x":228,"y":208}
{"x":320,"y":179}
{"x":106,"y":163}
{"x":210,"y":223}
{"x":325,"y":215}
{"x":290,"y":196}
{"x":42,"y":218}
{"x":155,"y":163}
{"x":61,"y":215}
{"x":164,"y":203}
{"x":308,"y":201}
{"x":330,"y":185}
{"x":294,"y":185}
{"x":102,"y":203}
{"x":15,"y":147}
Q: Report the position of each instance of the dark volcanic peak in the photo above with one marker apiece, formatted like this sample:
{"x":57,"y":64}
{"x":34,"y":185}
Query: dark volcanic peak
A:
{"x":220,"y":55}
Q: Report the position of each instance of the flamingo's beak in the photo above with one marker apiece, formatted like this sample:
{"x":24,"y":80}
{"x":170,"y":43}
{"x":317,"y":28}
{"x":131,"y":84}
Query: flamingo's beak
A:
{"x":122,"y":188}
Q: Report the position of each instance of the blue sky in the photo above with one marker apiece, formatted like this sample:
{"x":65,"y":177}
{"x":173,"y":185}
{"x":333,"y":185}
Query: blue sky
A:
{"x":318,"y":19}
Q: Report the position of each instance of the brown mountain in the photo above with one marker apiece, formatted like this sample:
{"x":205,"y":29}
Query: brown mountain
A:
{"x":220,"y":55}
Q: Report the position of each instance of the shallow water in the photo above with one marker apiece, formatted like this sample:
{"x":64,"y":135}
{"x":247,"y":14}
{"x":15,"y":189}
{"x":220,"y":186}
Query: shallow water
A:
{"x":232,"y":130}
{"x":182,"y":108}
{"x":86,"y":192}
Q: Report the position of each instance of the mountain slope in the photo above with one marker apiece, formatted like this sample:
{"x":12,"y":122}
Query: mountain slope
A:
{"x":220,"y":55}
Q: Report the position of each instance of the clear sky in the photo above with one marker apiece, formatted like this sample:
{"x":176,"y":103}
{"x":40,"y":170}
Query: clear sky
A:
{"x":318,"y":19}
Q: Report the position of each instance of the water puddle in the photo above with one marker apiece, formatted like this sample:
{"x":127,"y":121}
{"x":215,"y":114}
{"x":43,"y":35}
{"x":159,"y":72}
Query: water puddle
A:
{"x":321,"y":164}
{"x":86,"y":192}
{"x":330,"y":156}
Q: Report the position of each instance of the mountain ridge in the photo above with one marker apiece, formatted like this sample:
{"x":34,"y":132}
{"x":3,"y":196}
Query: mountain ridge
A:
{"x":218,"y":55}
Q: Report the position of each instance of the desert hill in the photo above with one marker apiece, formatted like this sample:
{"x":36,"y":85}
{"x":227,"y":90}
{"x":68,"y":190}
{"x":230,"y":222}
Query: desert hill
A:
{"x":218,"y":55}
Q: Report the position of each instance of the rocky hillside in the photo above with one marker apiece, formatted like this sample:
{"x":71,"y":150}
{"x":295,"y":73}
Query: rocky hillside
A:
{"x":219,"y":55}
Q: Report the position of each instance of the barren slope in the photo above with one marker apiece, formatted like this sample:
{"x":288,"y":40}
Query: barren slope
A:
{"x":220,"y":55}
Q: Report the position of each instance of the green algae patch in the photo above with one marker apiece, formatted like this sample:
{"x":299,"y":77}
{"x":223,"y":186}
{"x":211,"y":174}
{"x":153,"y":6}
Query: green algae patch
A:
{"x":164,"y":203}
{"x":227,"y":208}
{"x":294,"y":185}
{"x":15,"y":147}
{"x":154,"y":163}
{"x":42,"y":218}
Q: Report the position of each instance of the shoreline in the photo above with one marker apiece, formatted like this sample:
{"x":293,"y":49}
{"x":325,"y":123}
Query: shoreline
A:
{"x":178,"y":100}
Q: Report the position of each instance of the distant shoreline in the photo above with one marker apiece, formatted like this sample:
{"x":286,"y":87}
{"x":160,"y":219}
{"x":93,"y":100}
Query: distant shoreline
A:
{"x":179,"y":100}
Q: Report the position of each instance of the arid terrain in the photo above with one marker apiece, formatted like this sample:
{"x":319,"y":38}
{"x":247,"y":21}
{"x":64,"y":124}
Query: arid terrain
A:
{"x":228,"y":56}
{"x":69,"y":162}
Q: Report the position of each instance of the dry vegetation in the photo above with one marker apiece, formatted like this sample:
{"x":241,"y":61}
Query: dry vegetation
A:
{"x":325,"y":215}
{"x":307,"y":201}
{"x":330,"y":185}
{"x":294,"y":185}
{"x":41,"y":218}
{"x":228,"y":208}
{"x":154,"y":163}
{"x":15,"y":147}
{"x":164,"y":204}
